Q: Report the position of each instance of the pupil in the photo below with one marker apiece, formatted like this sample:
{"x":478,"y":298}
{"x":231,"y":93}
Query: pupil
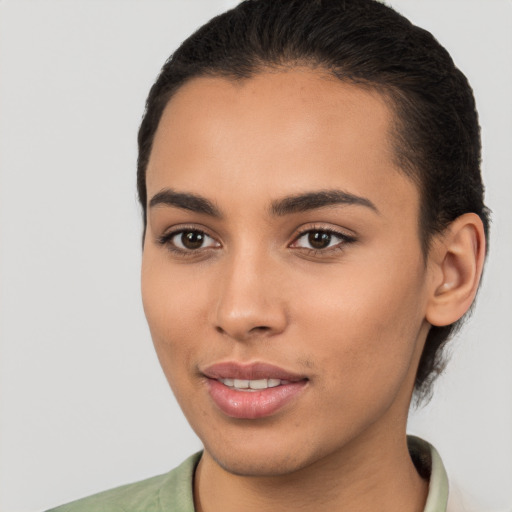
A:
{"x":319,"y":239}
{"x":192,"y":239}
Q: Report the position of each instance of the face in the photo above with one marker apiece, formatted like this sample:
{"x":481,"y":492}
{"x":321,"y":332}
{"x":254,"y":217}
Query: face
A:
{"x":283,"y":278}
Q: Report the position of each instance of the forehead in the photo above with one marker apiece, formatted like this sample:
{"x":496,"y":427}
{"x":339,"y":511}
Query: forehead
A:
{"x":278,"y":132}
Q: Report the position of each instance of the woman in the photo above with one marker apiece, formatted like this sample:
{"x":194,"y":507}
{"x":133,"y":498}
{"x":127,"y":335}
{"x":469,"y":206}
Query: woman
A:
{"x":314,"y":233}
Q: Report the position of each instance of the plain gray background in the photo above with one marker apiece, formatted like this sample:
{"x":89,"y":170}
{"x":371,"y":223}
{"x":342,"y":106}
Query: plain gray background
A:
{"x":84,"y":405}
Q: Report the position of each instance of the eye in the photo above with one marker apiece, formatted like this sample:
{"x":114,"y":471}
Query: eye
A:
{"x":188,"y":240}
{"x":321,"y":240}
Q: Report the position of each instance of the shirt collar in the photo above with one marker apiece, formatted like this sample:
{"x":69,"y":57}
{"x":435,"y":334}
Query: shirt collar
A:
{"x":429,"y":464}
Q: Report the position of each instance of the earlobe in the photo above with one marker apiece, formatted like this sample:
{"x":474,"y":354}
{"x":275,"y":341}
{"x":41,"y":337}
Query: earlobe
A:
{"x":457,"y":262}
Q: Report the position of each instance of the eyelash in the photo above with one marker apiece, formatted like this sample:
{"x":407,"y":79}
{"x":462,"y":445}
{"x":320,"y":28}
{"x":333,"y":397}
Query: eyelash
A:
{"x":166,"y":240}
{"x":344,"y":239}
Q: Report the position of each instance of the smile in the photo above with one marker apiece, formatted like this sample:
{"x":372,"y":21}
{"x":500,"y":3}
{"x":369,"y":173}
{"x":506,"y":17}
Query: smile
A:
{"x":252,"y":385}
{"x":252,"y":391}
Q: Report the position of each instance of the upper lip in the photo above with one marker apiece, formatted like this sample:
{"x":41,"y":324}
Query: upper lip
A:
{"x":249,"y":371}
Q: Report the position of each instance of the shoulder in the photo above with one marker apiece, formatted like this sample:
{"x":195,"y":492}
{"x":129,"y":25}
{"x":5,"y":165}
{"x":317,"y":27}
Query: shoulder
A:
{"x":170,"y":491}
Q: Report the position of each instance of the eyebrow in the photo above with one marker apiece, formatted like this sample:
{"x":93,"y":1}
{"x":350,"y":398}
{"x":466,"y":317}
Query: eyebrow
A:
{"x":321,"y":199}
{"x":185,"y":201}
{"x":286,"y":206}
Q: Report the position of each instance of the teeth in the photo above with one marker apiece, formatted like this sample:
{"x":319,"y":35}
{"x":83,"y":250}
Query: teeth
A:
{"x":252,"y":384}
{"x":258,"y":384}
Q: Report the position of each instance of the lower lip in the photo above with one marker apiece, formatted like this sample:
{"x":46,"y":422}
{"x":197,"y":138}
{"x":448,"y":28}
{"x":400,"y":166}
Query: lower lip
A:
{"x":253,"y":404}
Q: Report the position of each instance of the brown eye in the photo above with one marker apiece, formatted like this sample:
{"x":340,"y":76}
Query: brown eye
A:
{"x":324,"y":240}
{"x":319,"y":239}
{"x":191,"y":240}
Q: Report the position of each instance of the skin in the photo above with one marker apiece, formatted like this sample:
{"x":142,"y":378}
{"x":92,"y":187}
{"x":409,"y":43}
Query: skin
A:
{"x":352,"y":317}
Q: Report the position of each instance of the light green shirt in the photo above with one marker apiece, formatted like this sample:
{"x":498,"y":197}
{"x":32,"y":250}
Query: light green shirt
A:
{"x":173,"y":491}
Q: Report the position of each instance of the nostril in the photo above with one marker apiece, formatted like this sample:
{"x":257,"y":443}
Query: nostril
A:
{"x":260,"y":328}
{"x":253,"y":330}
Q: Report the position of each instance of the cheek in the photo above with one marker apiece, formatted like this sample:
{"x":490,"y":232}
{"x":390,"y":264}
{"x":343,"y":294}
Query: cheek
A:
{"x":368,"y":322}
{"x":174,"y":305}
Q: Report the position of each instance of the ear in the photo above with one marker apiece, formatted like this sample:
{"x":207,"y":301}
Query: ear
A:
{"x":456,"y":261}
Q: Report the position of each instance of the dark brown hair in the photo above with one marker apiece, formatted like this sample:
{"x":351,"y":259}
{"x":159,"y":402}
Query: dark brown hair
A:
{"x":436,"y":137}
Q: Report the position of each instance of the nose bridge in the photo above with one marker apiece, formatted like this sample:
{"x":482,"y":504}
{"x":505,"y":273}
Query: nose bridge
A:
{"x":250,"y":300}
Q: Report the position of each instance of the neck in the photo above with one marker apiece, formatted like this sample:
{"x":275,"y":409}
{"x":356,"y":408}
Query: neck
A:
{"x":369,"y":474}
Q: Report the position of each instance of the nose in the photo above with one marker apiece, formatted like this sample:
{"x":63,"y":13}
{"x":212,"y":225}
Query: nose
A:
{"x":250,"y":299}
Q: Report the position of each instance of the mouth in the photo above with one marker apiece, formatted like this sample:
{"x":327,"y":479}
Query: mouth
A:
{"x":253,"y":385}
{"x":252,"y":391}
{"x":254,"y":373}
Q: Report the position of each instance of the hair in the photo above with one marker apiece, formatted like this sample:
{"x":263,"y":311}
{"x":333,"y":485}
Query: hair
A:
{"x":436,"y":135}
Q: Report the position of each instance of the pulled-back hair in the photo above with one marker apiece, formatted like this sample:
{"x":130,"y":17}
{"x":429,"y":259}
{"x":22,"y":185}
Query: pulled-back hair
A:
{"x":436,"y":135}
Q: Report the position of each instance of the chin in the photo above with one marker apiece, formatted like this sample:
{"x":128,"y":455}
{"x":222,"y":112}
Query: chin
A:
{"x":262,"y":465}
{"x":272,"y":454}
